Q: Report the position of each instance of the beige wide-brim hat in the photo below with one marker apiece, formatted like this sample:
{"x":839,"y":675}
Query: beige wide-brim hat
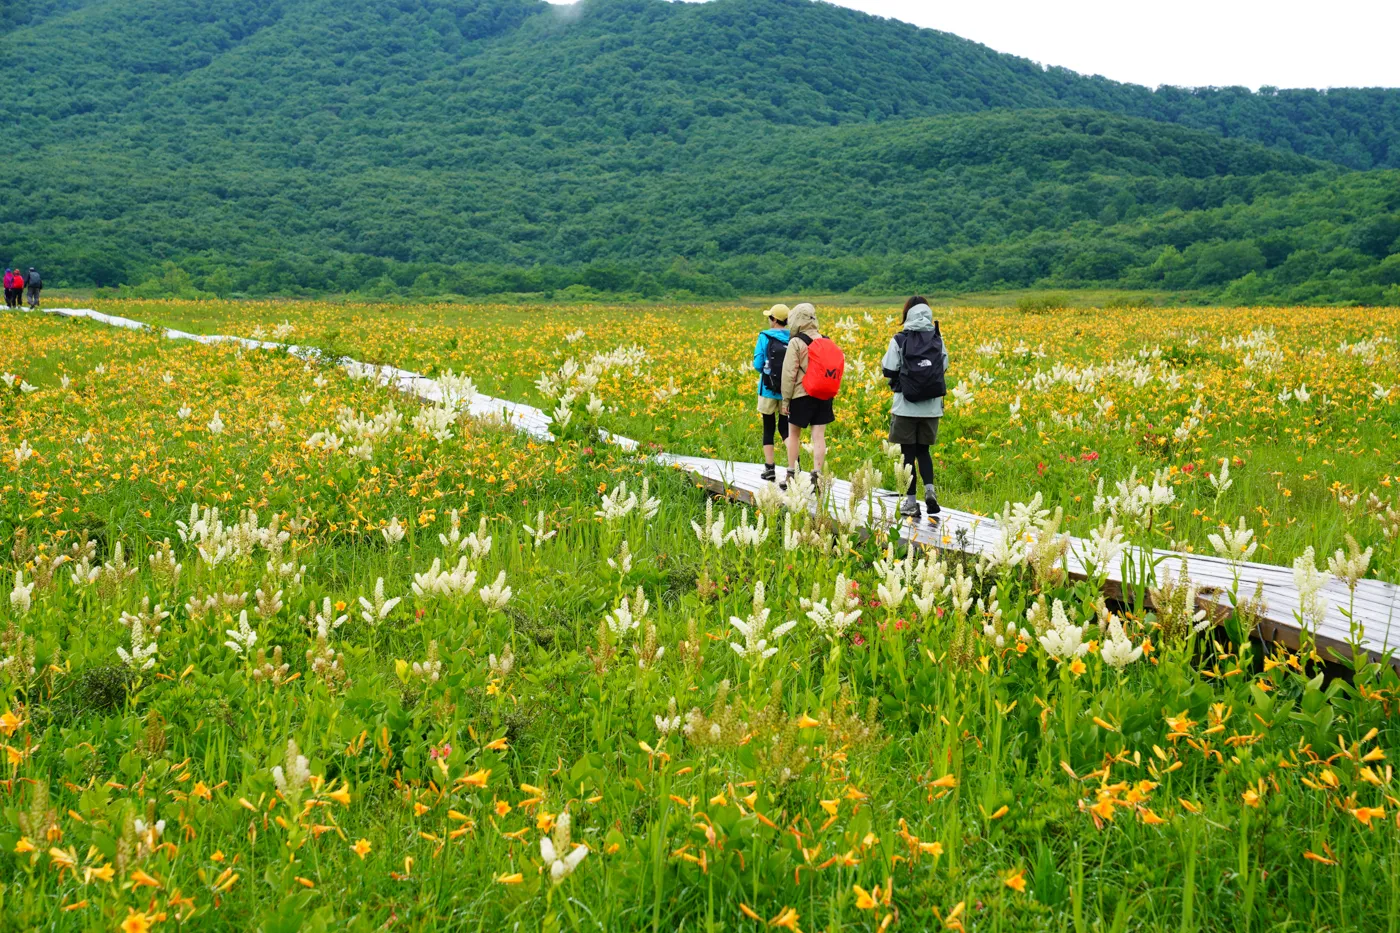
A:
{"x":779,"y":313}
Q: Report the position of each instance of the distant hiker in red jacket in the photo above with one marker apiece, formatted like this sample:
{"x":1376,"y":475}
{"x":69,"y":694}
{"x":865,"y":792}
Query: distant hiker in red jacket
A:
{"x":14,"y":289}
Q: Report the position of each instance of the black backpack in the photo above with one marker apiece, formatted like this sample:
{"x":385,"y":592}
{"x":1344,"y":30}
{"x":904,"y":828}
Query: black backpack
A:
{"x":773,"y":357}
{"x":921,"y":364}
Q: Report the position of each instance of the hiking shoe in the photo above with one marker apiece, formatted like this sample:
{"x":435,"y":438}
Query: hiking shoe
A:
{"x":769,"y":473}
{"x":909,"y":508}
{"x":931,"y":502}
{"x":816,"y":480}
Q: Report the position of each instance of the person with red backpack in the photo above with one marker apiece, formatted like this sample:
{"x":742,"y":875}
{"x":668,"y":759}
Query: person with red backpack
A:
{"x":812,"y":371}
{"x":768,"y":354}
{"x":916,"y":364}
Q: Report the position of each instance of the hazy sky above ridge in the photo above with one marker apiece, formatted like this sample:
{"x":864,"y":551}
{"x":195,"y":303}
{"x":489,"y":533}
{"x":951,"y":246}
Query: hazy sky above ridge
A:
{"x":1284,"y":43}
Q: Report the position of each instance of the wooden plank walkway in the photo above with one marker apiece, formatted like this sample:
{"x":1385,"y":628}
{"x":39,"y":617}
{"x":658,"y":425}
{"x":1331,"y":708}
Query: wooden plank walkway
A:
{"x":1377,"y":604}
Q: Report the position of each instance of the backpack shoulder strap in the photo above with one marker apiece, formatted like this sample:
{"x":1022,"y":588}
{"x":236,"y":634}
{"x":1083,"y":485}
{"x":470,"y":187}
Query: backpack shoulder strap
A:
{"x":805,"y":338}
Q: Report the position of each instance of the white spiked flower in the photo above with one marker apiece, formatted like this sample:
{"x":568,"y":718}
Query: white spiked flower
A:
{"x":142,"y":656}
{"x":436,"y":581}
{"x":893,"y":589}
{"x":1106,"y":547}
{"x":1312,"y":606}
{"x":832,"y":619}
{"x":1221,"y":481}
{"x":1351,"y":565}
{"x":1117,"y":651}
{"x":559,"y":852}
{"x":620,"y":503}
{"x":1063,"y":640}
{"x":750,"y":536}
{"x":711,"y":533}
{"x":496,"y":595}
{"x":931,"y":576}
{"x":21,"y":597}
{"x":758,"y":641}
{"x":1234,"y":544}
{"x":537,"y":533}
{"x":377,"y":611}
{"x":768,"y":499}
{"x":622,"y":563}
{"x":393,"y":532}
{"x":326,"y":619}
{"x":959,"y":591}
{"x":243,"y":638}
{"x":216,"y":424}
{"x":297,"y":772}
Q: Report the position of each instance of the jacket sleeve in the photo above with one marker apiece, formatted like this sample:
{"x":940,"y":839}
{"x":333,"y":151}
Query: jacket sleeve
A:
{"x":890,"y":364}
{"x":760,"y":350}
{"x":796,"y":347}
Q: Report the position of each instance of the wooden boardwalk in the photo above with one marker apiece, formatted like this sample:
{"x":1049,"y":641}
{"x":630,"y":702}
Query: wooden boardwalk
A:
{"x":1377,"y":604}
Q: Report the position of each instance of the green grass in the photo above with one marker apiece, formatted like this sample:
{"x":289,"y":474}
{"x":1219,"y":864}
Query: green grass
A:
{"x":1202,"y":786}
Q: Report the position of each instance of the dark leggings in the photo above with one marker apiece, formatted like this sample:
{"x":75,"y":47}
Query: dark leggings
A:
{"x":918,"y":455}
{"x":771,"y":422}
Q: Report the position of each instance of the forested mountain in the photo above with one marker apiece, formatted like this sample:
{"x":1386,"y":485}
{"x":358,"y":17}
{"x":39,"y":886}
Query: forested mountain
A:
{"x":640,"y":145}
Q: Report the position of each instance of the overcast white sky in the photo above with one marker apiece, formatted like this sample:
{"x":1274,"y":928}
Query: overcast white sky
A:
{"x":1285,"y":43}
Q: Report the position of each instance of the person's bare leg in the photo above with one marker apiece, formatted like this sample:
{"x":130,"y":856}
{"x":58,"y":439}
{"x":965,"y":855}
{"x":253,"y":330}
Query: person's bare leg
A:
{"x":768,"y":454}
{"x":794,"y":448}
{"x":818,"y":447}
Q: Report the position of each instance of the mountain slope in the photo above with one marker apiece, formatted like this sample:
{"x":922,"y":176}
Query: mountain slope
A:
{"x":605,"y":70}
{"x":769,"y":142}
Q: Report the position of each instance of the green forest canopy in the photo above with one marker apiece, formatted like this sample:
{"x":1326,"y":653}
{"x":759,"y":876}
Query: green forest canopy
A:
{"x":736,"y":146}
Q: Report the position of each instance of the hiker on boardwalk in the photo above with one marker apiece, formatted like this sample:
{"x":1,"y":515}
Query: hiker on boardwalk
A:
{"x":36,"y":285}
{"x":916,"y":365}
{"x":9,"y":288}
{"x":812,"y":373}
{"x":768,"y":354}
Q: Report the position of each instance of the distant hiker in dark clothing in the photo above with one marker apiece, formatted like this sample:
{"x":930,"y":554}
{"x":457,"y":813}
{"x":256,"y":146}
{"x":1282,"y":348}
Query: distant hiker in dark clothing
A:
{"x":916,"y":364}
{"x":36,"y":285}
{"x":9,"y":288}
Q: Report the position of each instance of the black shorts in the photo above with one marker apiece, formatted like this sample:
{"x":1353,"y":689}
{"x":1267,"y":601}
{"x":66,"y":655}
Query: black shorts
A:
{"x":808,"y":412}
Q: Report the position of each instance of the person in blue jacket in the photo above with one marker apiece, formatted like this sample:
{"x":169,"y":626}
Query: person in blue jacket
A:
{"x":768,"y":354}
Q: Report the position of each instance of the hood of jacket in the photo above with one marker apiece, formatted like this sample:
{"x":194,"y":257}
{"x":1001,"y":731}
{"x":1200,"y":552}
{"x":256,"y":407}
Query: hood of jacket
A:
{"x":920,"y":318}
{"x":803,"y":320}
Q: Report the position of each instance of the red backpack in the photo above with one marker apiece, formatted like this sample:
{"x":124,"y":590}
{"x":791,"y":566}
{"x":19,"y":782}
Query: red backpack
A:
{"x":826,"y":364}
